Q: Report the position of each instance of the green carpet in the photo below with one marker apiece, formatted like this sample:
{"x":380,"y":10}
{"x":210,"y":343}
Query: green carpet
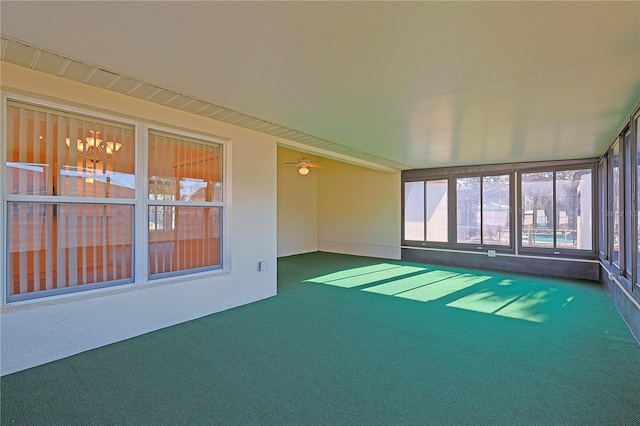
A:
{"x":353,"y":340}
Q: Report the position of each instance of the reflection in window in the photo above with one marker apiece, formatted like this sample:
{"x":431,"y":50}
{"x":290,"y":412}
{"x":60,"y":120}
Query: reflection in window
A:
{"x":43,"y":160}
{"x":184,"y":207}
{"x":61,"y":246}
{"x":192,"y":242}
{"x":78,"y":242}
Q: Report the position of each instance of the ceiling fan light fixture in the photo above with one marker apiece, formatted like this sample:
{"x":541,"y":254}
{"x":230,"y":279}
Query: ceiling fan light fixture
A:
{"x":303,"y":170}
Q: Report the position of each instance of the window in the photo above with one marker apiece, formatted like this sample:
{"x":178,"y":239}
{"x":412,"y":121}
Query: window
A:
{"x":70,"y":200}
{"x":626,"y":206}
{"x":615,"y":207}
{"x":483,"y":210}
{"x":414,"y":211}
{"x":426,"y":202}
{"x":556,"y":210}
{"x":603,"y":209}
{"x":185,"y":204}
{"x":437,"y":210}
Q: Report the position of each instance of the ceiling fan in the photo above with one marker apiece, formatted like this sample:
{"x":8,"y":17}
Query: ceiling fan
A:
{"x":304,"y":165}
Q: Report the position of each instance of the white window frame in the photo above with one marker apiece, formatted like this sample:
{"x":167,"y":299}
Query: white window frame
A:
{"x":221,"y":204}
{"x":139,"y":202}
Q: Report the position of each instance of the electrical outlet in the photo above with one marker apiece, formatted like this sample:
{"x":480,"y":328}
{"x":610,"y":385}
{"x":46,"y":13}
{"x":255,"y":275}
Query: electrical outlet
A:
{"x":491,"y":253}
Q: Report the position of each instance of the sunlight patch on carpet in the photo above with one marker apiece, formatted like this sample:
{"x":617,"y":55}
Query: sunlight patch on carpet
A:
{"x":444,"y":287}
{"x":404,"y":284}
{"x":529,"y":305}
{"x":366,"y":275}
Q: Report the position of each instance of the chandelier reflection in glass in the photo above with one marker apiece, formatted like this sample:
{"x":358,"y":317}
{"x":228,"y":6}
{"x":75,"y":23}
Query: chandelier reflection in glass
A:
{"x":95,"y":148}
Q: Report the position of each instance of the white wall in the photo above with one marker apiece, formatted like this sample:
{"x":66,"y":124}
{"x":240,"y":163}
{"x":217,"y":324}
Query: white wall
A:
{"x":358,"y":211}
{"x":297,"y":205}
{"x":39,"y":331}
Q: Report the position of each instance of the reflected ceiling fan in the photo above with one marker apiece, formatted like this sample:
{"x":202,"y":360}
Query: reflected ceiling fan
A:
{"x":304,"y":165}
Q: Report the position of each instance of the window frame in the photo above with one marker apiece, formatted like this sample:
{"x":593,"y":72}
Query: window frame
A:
{"x":8,"y":199}
{"x":499,"y":248}
{"x":425,"y":242}
{"x":514,"y":170}
{"x":176,"y":203}
{"x":139,"y":202}
{"x":555,"y":251}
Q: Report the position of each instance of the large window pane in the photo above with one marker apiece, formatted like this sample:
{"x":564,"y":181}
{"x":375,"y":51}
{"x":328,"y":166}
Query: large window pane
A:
{"x":574,"y":217}
{"x":468,"y":210}
{"x":77,"y":243}
{"x":437,"y":211}
{"x":183,"y":169}
{"x":192,"y":241}
{"x":185,"y":193}
{"x":627,"y":205}
{"x":537,"y":209}
{"x":54,"y":153}
{"x":414,"y":211}
{"x":603,"y":215}
{"x":495,"y":210}
{"x":61,"y":246}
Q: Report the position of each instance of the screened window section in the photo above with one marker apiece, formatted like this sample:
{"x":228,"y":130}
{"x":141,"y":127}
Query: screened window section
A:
{"x":615,"y":208}
{"x":556,"y":210}
{"x":70,"y":190}
{"x":185,"y":204}
{"x":426,"y":211}
{"x":483,"y":210}
{"x":603,"y":209}
{"x":414,"y":211}
{"x":627,"y":205}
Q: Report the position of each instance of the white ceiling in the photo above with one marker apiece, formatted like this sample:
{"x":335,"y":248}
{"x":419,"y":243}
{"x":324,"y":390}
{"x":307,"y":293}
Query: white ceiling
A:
{"x":404,"y":84}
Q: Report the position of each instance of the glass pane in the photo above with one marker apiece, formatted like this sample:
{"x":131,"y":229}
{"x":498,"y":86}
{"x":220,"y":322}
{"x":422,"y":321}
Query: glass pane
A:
{"x":54,"y":153}
{"x":414,"y":211}
{"x":184,"y":169}
{"x":55,"y":246}
{"x":574,"y":228}
{"x":602,"y":208}
{"x":626,"y":207}
{"x":437,"y":211}
{"x":468,"y":210}
{"x":615,"y":196}
{"x":182,"y":238}
{"x":537,"y":209}
{"x":495,"y":210}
